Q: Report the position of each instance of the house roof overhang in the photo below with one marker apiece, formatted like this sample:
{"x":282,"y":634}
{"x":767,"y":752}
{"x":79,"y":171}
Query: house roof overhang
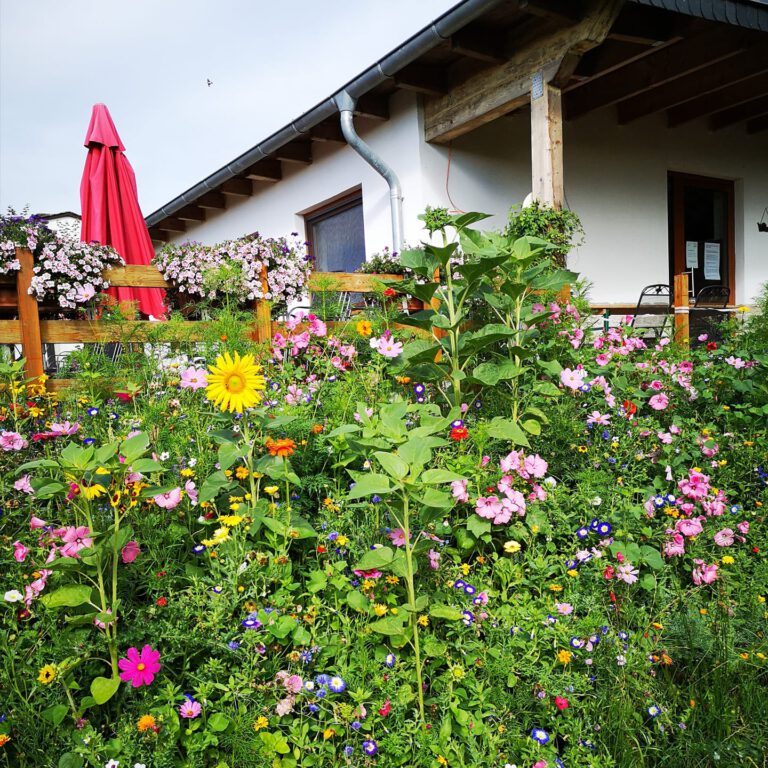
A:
{"x":475,"y":63}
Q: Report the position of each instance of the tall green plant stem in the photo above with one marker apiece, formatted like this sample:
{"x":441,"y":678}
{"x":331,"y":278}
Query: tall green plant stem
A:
{"x":412,"y":601}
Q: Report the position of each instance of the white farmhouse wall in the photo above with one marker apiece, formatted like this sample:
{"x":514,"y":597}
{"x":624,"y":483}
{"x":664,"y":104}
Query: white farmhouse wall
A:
{"x":274,"y":208}
{"x":616,"y":180}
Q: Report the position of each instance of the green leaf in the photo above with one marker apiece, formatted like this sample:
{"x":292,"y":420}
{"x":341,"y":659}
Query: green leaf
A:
{"x":531,"y":426}
{"x":317,"y":581}
{"x":393,"y":465}
{"x":652,"y":557}
{"x":134,"y":447}
{"x":48,"y":489}
{"x":70,"y":596}
{"x":218,"y":722}
{"x":104,"y":688}
{"x":301,"y":636}
{"x":375,"y":559}
{"x":146,"y":465}
{"x":213,"y":485}
{"x":55,"y":714}
{"x":274,"y":742}
{"x":368,"y":484}
{"x":433,"y":476}
{"x":390,"y":625}
{"x":546,"y":388}
{"x":506,"y":429}
{"x":491,"y":374}
{"x":71,"y":760}
{"x":478,"y":526}
{"x":358,"y":601}
{"x":229,"y":453}
{"x":445,"y":612}
{"x":105,"y":452}
{"x":48,"y":463}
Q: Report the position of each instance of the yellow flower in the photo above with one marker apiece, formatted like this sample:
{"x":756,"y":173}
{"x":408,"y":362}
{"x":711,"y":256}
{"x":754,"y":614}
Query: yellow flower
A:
{"x":744,"y":656}
{"x":271,"y":490}
{"x":703,"y":611}
{"x":564,"y":657}
{"x":555,"y":587}
{"x":92,"y":491}
{"x":146,"y":723}
{"x":231,"y":520}
{"x":656,"y":625}
{"x":234,"y":384}
{"x":464,"y":568}
{"x":458,"y":672}
{"x":423,"y":620}
{"x":342,"y":540}
{"x":4,"y":739}
{"x":242,"y":473}
{"x":728,"y":560}
{"x":760,"y":599}
{"x":328,"y":733}
{"x":512,"y":546}
{"x":441,"y":760}
{"x":364,"y":328}
{"x":392,"y":580}
{"x":573,"y":573}
{"x":379,"y":609}
{"x":187,"y":472}
{"x":34,"y":411}
{"x":47,"y":674}
{"x":742,"y":308}
{"x":760,"y":656}
{"x":582,"y":449}
{"x":393,"y":611}
{"x":260,"y":723}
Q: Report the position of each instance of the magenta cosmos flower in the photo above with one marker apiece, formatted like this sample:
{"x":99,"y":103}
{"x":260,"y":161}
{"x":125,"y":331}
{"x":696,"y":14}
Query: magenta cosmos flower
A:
{"x":140,"y":668}
{"x":190,"y":709}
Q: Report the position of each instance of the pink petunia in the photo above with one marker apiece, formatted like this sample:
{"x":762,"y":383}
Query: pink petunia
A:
{"x":12,"y":441}
{"x":459,"y":490}
{"x":659,"y":402}
{"x":140,"y":668}
{"x":743,"y":527}
{"x":130,"y":552}
{"x":724,"y":538}
{"x":535,"y":466}
{"x":293,"y":683}
{"x":434,"y":559}
{"x":191,"y":491}
{"x":689,"y":527}
{"x":20,"y":552}
{"x":703,"y":573}
{"x":675,"y":547}
{"x":168,"y":500}
{"x":23,"y":485}
{"x":36,"y":523}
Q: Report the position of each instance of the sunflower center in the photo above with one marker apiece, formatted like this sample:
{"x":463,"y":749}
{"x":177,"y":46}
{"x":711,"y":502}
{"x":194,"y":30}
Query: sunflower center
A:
{"x":141,"y":666}
{"x":235,"y":383}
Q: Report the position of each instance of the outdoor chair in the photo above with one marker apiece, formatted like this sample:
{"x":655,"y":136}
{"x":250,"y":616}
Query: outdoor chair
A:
{"x":328,"y":305}
{"x":653,"y":310}
{"x":707,"y":313}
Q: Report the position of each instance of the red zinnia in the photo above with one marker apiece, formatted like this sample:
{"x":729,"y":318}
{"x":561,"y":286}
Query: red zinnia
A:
{"x":561,"y":702}
{"x":385,"y":709}
{"x":459,"y":433}
{"x":162,"y":602}
{"x":389,"y":292}
{"x":712,"y":346}
{"x":630,"y":407}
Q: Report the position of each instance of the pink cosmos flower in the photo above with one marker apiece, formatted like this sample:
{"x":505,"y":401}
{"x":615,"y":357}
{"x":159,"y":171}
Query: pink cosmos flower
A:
{"x":12,"y":441}
{"x":191,"y":491}
{"x":674,"y":429}
{"x":434,"y":559}
{"x":659,"y":402}
{"x":685,"y":367}
{"x":388,"y":347}
{"x":190,"y":709}
{"x":168,"y":500}
{"x":23,"y":485}
{"x":459,"y":490}
{"x":724,"y":538}
{"x":140,"y":668}
{"x":20,"y":552}
{"x":31,"y":591}
{"x":564,"y":609}
{"x":193,"y":378}
{"x":572,"y":379}
{"x":397,"y":537}
{"x":627,"y":573}
{"x":601,"y":419}
{"x":703,"y":573}
{"x":75,"y":538}
{"x":130,"y":552}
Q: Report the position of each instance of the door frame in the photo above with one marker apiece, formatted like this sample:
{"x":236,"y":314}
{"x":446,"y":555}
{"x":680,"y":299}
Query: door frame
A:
{"x":676,"y":202}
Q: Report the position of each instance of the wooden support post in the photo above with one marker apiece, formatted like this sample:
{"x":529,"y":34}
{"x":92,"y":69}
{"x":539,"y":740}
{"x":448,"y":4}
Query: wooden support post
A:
{"x":547,"y":143}
{"x":263,"y":327}
{"x":29,"y":317}
{"x":681,"y":307}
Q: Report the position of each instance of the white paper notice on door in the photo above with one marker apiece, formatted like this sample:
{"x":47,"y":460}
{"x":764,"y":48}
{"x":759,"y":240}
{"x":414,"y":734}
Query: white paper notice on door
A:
{"x":711,"y":261}
{"x":691,"y":254}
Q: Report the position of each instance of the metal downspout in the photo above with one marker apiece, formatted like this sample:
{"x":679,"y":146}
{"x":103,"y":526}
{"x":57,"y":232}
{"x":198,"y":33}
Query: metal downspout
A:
{"x":346,"y":105}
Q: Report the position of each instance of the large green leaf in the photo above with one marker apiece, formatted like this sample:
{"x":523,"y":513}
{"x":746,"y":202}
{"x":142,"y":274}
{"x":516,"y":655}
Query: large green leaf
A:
{"x":134,"y":447}
{"x":71,"y":760}
{"x":445,"y":612}
{"x":369,"y":484}
{"x":55,"y":714}
{"x":491,"y":374}
{"x":478,"y":526}
{"x":393,"y":465}
{"x":375,"y":559}
{"x":390,"y":625}
{"x":229,"y":453}
{"x":104,"y":688}
{"x":212,"y":485}
{"x":507,"y":429}
{"x":218,"y":722}
{"x":433,"y":476}
{"x":69,"y":596}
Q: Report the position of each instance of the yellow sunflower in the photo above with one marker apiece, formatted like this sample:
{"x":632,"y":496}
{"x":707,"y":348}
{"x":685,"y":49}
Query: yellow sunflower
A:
{"x":235,"y":384}
{"x":47,"y":674}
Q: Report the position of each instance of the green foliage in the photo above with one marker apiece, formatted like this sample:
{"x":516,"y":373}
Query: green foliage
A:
{"x":562,"y":229}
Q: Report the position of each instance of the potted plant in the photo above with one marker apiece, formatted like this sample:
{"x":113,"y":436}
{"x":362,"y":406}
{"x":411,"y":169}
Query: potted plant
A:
{"x":561,"y":229}
{"x":386,"y":262}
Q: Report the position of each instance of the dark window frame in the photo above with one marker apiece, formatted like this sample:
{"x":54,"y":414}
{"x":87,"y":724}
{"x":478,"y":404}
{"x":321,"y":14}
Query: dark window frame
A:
{"x":328,"y":209}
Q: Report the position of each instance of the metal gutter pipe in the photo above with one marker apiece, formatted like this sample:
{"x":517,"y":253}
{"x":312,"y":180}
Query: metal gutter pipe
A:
{"x":382,"y":71}
{"x":346,"y":105}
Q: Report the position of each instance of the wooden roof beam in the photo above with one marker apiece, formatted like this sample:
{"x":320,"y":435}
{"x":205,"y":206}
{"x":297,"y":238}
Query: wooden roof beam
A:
{"x":328,"y":130}
{"x":295,"y":152}
{"x":478,"y":43}
{"x":662,"y":66}
{"x":172,"y":224}
{"x":500,"y":89}
{"x":265,"y":170}
{"x":159,"y":235}
{"x":421,"y":78}
{"x":213,"y":200}
{"x":374,"y":106}
{"x":647,"y":26}
{"x":237,"y":187}
{"x":565,"y":12}
{"x":738,"y":114}
{"x":758,"y":124}
{"x":722,"y":74}
{"x":191,"y":213}
{"x":725,"y":98}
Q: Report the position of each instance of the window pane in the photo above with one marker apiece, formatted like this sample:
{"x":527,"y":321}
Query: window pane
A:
{"x":339,"y":241}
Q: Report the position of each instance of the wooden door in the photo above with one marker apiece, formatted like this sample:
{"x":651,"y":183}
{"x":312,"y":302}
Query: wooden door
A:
{"x":701,"y":231}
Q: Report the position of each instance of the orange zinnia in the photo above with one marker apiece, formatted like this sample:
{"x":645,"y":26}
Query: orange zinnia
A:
{"x":146,"y":723}
{"x":283,"y":447}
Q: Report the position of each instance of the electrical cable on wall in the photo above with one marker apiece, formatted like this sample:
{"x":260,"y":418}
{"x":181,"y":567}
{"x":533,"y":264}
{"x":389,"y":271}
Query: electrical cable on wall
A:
{"x":456,"y":208}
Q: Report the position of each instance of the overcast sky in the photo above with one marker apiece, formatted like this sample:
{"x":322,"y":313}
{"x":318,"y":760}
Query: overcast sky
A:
{"x":149,"y":60}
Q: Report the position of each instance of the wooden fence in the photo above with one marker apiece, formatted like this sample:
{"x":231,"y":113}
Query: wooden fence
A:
{"x":31,"y":332}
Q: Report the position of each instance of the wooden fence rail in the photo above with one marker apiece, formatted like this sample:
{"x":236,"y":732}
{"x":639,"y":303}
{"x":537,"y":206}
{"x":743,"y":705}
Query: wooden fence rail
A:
{"x":31,"y":332}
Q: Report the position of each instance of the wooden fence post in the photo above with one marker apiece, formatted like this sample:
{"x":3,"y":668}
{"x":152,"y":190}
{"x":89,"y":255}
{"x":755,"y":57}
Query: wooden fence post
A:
{"x":29,"y":316}
{"x":263,"y":329}
{"x":681,"y":307}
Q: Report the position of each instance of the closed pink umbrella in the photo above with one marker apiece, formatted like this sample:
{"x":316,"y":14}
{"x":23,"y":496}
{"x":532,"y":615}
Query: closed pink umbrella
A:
{"x":110,"y":207}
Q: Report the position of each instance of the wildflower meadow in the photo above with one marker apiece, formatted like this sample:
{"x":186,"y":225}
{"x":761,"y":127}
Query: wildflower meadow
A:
{"x":487,"y":534}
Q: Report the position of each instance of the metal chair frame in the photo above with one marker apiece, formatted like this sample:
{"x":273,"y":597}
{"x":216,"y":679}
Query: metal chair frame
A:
{"x":660,"y":311}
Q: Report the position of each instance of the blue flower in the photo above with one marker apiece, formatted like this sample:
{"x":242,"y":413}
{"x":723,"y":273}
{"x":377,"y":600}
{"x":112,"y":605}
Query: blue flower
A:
{"x":469,"y":617}
{"x":419,"y":399}
{"x":337,"y":684}
{"x":89,"y":440}
{"x":251,"y":624}
{"x":457,"y":424}
{"x":199,"y":549}
{"x":419,"y":389}
{"x":659,"y":501}
{"x":322,"y":693}
{"x":623,"y":635}
{"x":570,"y":565}
{"x":585,"y":387}
{"x":217,"y":590}
{"x":459,"y":584}
{"x":735,"y":509}
{"x":375,"y":499}
{"x":233,"y":645}
{"x":314,"y":707}
{"x":593,"y":524}
{"x":478,"y":404}
{"x":653,"y":710}
{"x":540,"y":735}
{"x":370,"y":747}
{"x":390,"y":660}
{"x":582,"y":533}
{"x":576,"y":643}
{"x":93,"y":411}
{"x":604,"y":529}
{"x":469,"y":590}
{"x":356,"y":725}
{"x":349,"y":750}
{"x":323,"y":679}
